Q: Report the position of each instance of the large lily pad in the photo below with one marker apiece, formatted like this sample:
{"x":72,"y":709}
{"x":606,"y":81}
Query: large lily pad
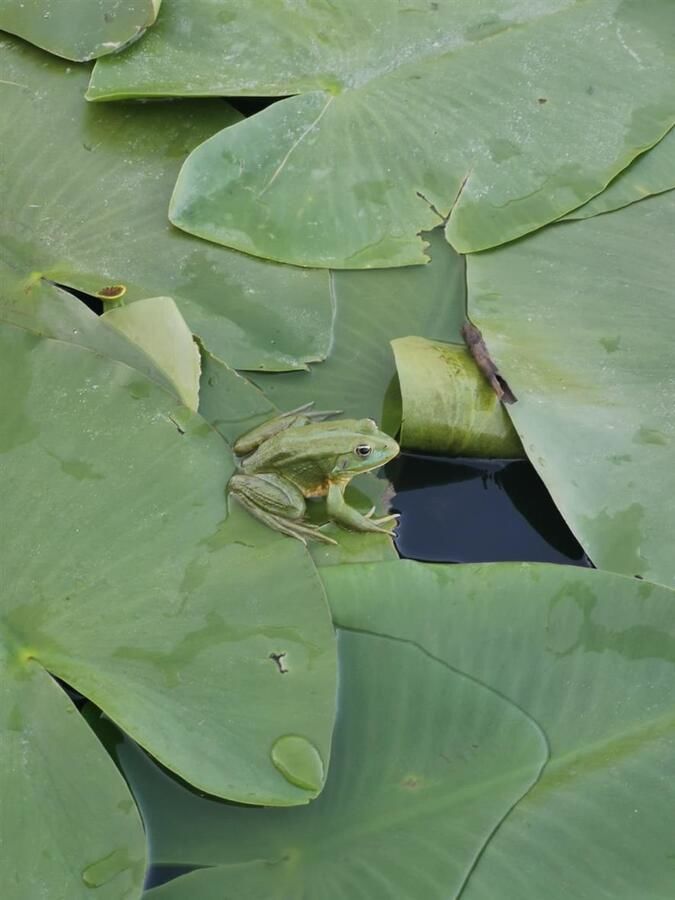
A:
{"x":502,"y":115}
{"x":68,"y":821}
{"x":590,"y":658}
{"x":581,"y":321}
{"x":127,"y":579}
{"x":415,"y":790}
{"x":78,"y":29}
{"x":651,"y":173}
{"x":85,"y":194}
{"x":580,"y":691}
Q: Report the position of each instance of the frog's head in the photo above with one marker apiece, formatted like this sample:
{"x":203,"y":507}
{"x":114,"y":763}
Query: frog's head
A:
{"x":363,"y":448}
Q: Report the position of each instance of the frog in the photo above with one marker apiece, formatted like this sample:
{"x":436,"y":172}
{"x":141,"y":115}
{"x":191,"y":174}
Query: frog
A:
{"x":303,"y":454}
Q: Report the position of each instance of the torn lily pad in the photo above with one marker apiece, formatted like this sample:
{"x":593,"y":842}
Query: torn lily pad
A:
{"x":502,"y":116}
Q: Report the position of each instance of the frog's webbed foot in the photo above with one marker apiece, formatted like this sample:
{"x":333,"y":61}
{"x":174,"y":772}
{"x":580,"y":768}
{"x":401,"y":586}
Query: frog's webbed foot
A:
{"x":277,"y":503}
{"x":303,"y":531}
{"x":350,"y":518}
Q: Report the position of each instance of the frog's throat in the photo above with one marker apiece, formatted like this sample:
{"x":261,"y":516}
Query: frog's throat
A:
{"x":321,"y":490}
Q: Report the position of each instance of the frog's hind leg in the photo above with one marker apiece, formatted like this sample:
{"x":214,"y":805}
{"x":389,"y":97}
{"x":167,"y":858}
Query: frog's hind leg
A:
{"x":277,"y":503}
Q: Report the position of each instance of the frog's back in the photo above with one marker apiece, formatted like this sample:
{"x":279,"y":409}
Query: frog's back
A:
{"x":310,"y":456}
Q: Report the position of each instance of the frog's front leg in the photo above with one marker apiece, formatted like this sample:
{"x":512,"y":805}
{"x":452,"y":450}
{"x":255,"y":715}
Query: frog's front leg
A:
{"x":276,"y":502}
{"x":344,"y":514}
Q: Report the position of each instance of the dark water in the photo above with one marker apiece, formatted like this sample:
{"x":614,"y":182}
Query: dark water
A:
{"x":465,"y":510}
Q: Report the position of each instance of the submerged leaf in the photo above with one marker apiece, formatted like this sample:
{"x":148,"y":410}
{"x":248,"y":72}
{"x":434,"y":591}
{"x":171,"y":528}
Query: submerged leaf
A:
{"x":502,"y":116}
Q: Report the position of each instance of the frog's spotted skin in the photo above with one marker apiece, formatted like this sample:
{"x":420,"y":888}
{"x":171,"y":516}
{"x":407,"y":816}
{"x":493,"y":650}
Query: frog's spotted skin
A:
{"x":298,"y":455}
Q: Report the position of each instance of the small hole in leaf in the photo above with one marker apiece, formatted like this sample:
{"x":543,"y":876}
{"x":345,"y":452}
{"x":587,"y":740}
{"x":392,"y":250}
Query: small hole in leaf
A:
{"x":279,"y":660}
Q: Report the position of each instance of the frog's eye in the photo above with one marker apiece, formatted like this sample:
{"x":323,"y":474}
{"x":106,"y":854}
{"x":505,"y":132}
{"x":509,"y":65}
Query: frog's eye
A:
{"x":363,"y":450}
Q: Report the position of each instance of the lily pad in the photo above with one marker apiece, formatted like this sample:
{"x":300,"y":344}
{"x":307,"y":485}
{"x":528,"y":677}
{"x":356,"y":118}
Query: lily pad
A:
{"x":127,"y":579}
{"x":450,"y":674}
{"x":372,"y":309}
{"x":45,"y":310}
{"x":589,"y":657}
{"x":85,"y":194}
{"x":229,"y":401}
{"x":580,"y":320}
{"x":651,"y":173}
{"x":501,"y":115}
{"x":78,"y":29}
{"x":69,"y":822}
{"x":415,"y":790}
{"x":448,"y":405}
{"x":157,"y":326}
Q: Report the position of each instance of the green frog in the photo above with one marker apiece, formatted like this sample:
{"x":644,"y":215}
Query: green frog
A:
{"x":299,"y":455}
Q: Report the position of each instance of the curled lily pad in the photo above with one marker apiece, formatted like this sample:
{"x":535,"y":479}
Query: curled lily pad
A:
{"x":448,"y":405}
{"x":501,"y":116}
{"x":157,"y":326}
{"x":128,"y":580}
{"x":580,"y":319}
{"x":78,"y":29}
{"x":85,"y":195}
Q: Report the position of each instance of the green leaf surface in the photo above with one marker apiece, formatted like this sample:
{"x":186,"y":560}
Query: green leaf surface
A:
{"x":450,"y":677}
{"x":78,"y":29}
{"x":651,"y":173}
{"x":590,"y":658}
{"x":127,"y":579}
{"x":68,"y":821}
{"x":45,"y":310}
{"x":414,"y":791}
{"x":502,"y":115}
{"x":373,"y":308}
{"x":85,"y":195}
{"x":157,"y":326}
{"x":447,"y":404}
{"x":229,"y":401}
{"x":580,"y":319}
